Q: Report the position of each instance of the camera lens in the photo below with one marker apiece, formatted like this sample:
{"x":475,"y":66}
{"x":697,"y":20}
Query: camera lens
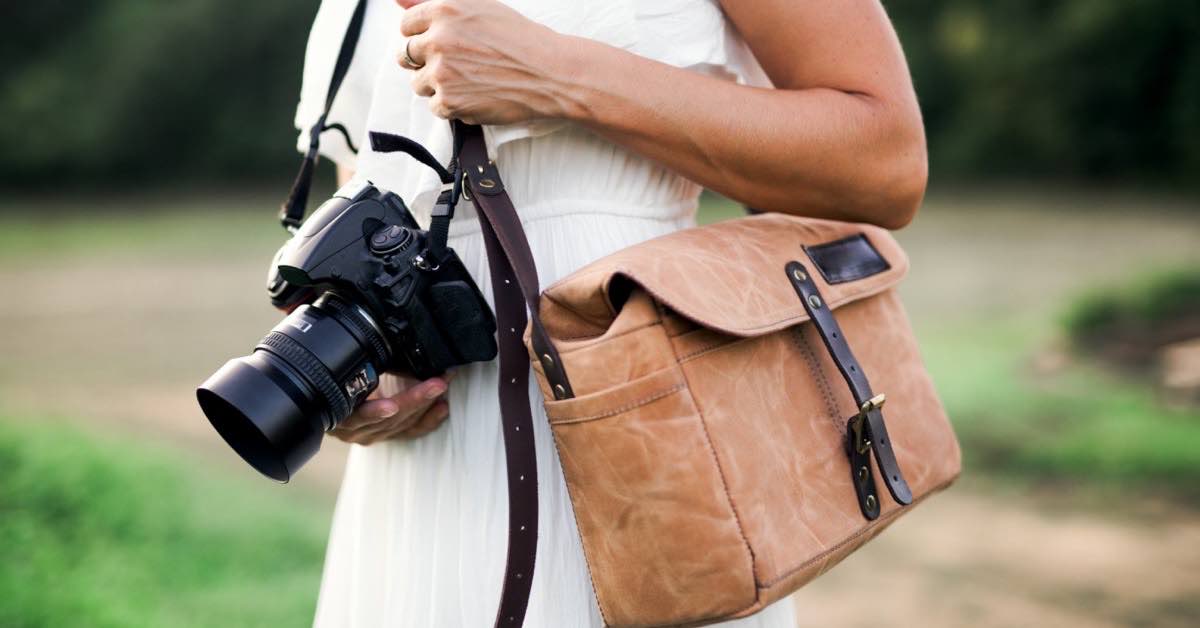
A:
{"x":273,"y":406}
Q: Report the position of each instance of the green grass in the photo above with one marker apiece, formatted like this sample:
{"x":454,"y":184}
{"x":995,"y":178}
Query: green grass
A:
{"x":59,"y":232}
{"x":201,"y":231}
{"x":97,"y":532}
{"x":1079,"y":424}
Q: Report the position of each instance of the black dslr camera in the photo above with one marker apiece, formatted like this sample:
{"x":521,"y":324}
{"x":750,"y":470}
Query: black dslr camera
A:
{"x":368,"y":291}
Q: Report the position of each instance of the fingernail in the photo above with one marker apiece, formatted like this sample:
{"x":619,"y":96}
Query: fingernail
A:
{"x":384,"y":410}
{"x":434,"y":390}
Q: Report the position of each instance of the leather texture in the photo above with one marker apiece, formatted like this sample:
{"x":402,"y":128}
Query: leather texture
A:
{"x":514,"y":287}
{"x":704,"y":444}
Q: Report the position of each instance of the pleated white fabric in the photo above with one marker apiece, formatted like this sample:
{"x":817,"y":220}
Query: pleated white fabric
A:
{"x":419,"y":532}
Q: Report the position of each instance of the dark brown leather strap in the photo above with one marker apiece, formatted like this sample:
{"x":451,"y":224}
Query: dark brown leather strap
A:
{"x":866,"y":430}
{"x":514,"y":288}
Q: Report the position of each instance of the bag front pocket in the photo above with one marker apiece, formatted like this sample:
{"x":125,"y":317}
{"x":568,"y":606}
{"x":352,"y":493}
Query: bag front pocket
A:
{"x":662,"y":541}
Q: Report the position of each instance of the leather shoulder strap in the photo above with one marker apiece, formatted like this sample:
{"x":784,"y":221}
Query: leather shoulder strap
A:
{"x":514,"y":288}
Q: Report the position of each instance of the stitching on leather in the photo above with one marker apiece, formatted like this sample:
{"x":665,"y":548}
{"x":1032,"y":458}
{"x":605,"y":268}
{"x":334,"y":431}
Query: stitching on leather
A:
{"x":850,"y":539}
{"x":849,"y":297}
{"x":724,"y":485}
{"x":626,"y":408}
{"x":606,"y":338}
{"x":714,"y":349}
{"x":555,"y":300}
{"x":801,"y":341}
{"x":583,"y":544}
{"x":709,"y":348}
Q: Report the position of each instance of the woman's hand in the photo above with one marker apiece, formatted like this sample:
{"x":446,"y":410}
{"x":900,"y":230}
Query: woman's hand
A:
{"x":481,"y":62}
{"x":416,"y":411}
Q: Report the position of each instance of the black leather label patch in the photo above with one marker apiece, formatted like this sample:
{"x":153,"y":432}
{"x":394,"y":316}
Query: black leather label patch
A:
{"x":848,"y":259}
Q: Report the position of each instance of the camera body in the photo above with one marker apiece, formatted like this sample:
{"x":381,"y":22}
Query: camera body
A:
{"x":366,"y":292}
{"x":364,"y":245}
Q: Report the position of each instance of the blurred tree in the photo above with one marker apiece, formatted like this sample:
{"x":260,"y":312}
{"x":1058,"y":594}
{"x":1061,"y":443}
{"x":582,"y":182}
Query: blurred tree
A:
{"x":127,"y":91}
{"x":1058,"y":89}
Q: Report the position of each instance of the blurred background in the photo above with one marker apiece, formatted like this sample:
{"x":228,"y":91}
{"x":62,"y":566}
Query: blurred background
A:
{"x":1055,"y":288}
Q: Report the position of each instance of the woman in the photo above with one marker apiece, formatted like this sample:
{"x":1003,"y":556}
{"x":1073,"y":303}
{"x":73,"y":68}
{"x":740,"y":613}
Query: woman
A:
{"x":606,"y":119}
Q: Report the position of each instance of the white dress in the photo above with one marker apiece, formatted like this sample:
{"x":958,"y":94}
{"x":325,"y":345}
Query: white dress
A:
{"x":419,"y":531}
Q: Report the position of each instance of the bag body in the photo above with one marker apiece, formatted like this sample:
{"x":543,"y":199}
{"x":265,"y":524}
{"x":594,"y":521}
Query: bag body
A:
{"x":709,"y":437}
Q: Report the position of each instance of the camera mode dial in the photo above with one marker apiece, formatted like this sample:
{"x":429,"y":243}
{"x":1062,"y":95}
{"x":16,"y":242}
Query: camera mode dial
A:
{"x":390,"y":239}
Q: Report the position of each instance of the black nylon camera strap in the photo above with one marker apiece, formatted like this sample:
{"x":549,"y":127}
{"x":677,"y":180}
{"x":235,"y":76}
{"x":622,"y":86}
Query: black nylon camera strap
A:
{"x":292,"y":212}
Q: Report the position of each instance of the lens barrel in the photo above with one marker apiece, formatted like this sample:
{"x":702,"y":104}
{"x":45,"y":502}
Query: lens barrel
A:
{"x":274,"y":405}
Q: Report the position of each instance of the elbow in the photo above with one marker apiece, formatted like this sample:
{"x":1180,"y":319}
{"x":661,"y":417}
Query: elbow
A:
{"x":902,"y":175}
{"x":905,"y":192}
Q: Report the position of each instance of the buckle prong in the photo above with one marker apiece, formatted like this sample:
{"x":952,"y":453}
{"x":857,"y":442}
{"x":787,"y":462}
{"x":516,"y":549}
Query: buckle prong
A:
{"x":861,"y":443}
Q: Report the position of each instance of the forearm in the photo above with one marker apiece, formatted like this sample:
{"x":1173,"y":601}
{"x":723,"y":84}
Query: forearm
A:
{"x":818,"y":151}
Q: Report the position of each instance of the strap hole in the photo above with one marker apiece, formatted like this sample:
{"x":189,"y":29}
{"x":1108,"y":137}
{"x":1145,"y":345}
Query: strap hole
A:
{"x":852,"y":368}
{"x":835,"y":334}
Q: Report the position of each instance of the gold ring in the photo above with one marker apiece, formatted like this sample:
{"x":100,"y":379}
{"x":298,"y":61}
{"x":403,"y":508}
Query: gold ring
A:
{"x":408,"y":60}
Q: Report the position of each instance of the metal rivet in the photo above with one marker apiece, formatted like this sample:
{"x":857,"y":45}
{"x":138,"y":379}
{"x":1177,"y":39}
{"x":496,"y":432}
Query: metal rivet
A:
{"x":522,"y":527}
{"x":870,"y":502}
{"x":862,"y":474}
{"x":512,"y":329}
{"x":522,"y":478}
{"x":799,"y":275}
{"x":559,"y":391}
{"x":480,"y":168}
{"x":814,"y":301}
{"x":487,"y":184}
{"x":507,"y":281}
{"x":514,"y":380}
{"x":547,"y":360}
{"x":519,"y":576}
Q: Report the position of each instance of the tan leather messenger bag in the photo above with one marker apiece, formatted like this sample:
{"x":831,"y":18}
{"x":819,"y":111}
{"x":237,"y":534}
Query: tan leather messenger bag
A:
{"x":737,"y":407}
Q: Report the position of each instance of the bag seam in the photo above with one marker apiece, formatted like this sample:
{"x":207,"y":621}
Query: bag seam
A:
{"x":586,"y":561}
{"x":801,"y":341}
{"x":737,"y":519}
{"x":846,"y":541}
{"x":625,"y":408}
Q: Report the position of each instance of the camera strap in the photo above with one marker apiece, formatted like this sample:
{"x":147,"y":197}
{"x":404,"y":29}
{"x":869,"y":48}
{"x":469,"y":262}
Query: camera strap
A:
{"x":514,"y":288}
{"x":292,"y":212}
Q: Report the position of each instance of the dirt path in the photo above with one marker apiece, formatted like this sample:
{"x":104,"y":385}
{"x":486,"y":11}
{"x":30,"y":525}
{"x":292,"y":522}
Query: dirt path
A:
{"x":122,"y":341}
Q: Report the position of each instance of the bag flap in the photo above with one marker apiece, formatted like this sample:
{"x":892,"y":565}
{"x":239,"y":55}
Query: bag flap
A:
{"x":729,"y":276}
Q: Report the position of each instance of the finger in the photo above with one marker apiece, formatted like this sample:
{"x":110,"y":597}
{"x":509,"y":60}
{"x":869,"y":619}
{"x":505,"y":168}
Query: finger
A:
{"x":401,"y":420}
{"x":418,"y":16}
{"x":422,"y":82}
{"x":422,"y":393}
{"x":430,"y":421}
{"x":370,"y":413}
{"x":413,"y":54}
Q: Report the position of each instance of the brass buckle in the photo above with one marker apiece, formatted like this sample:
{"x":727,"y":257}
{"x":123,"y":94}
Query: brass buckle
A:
{"x":861,"y":443}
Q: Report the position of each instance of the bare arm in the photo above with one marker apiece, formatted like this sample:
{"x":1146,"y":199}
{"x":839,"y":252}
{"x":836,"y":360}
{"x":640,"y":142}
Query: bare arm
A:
{"x":840,"y":137}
